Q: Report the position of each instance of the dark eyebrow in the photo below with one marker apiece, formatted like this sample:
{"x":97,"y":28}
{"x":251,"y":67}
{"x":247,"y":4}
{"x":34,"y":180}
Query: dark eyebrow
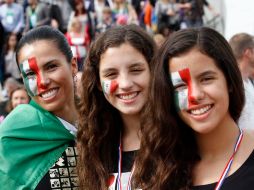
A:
{"x":137,"y":64}
{"x":54,"y":61}
{"x":108,"y":70}
{"x":207,"y":73}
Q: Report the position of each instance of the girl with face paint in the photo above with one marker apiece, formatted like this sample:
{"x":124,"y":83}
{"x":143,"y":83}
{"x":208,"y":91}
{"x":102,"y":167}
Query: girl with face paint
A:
{"x":115,"y":89}
{"x":195,"y":105}
{"x":37,"y":149}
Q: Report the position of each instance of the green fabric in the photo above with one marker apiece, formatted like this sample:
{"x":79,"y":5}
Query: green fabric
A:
{"x":31,"y":141}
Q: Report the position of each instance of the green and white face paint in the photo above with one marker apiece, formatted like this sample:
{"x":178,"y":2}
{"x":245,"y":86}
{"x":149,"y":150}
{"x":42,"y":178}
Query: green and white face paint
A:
{"x":182,"y":82}
{"x":109,"y":86}
{"x":32,"y":80}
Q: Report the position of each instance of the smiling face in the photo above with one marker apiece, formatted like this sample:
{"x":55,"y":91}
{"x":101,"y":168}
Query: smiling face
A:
{"x":19,"y":96}
{"x":201,"y":91}
{"x":124,"y":76}
{"x":47,"y":75}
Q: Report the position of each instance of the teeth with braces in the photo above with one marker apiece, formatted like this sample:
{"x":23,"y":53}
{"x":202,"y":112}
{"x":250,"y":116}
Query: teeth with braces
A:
{"x":129,"y":96}
{"x":201,"y":110}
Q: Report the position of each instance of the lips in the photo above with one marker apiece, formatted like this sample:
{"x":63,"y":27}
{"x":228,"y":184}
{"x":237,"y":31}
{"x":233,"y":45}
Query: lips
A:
{"x":49,"y":93}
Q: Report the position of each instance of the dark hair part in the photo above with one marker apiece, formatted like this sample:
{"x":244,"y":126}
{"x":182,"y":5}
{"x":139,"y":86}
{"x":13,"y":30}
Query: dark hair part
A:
{"x":240,"y":42}
{"x":99,"y":122}
{"x":175,"y":146}
{"x":46,"y":33}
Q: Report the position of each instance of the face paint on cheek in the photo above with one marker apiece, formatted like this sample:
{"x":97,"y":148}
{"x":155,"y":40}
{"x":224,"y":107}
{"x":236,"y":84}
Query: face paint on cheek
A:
{"x":179,"y":78}
{"x":109,"y":86}
{"x":30,"y":82}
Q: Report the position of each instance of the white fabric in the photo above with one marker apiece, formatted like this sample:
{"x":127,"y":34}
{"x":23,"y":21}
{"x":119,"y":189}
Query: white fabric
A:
{"x":69,"y":126}
{"x":247,"y":116}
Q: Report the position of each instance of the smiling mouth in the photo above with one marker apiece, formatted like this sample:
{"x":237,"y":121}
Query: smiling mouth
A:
{"x":49,"y":93}
{"x":128,"y":96}
{"x":200,"y":111}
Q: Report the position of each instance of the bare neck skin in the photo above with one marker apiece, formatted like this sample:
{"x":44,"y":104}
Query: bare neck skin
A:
{"x":69,"y":114}
{"x":131,"y":132}
{"x":246,"y":70}
{"x":215,"y":149}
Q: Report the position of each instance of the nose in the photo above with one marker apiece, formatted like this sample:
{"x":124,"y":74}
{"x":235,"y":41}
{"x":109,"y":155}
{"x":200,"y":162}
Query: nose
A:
{"x":125,"y":82}
{"x":43,"y":81}
{"x":195,"y":93}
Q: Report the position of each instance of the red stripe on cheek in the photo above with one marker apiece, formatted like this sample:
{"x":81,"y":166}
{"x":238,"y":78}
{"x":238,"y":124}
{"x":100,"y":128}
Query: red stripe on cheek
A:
{"x":33,"y":65}
{"x":186,"y":77}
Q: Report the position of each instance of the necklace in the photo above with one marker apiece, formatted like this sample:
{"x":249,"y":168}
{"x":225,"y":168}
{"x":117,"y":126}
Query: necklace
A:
{"x":229,"y":163}
{"x":119,"y":182}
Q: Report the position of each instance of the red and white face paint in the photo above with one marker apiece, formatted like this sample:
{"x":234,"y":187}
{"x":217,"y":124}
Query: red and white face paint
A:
{"x":182,"y":82}
{"x":31,"y":74}
{"x":109,"y":86}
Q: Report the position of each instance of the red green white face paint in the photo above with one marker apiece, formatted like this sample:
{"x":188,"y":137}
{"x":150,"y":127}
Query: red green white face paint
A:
{"x":109,"y":86}
{"x":182,"y":82}
{"x":31,"y":75}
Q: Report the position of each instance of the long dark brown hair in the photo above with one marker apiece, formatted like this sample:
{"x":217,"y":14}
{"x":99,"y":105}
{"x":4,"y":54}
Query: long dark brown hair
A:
{"x":169,"y":151}
{"x":99,"y":122}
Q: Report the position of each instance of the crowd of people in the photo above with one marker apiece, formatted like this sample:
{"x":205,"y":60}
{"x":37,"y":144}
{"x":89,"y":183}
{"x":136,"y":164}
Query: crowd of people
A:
{"x":123,"y":95}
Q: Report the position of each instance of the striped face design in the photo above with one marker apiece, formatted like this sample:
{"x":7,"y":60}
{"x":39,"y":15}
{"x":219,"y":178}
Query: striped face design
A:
{"x":182,"y":82}
{"x":32,"y":79}
{"x":109,"y":86}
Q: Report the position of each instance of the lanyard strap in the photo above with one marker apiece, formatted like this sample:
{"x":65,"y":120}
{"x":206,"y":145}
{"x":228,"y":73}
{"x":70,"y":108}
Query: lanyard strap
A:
{"x":228,"y":166}
{"x":119,"y":182}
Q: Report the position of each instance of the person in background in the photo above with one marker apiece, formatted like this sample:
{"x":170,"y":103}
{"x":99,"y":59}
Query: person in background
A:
{"x":242,"y":45}
{"x":31,"y":14}
{"x":79,"y":40}
{"x":194,"y":141}
{"x":107,"y":21}
{"x":12,"y":18}
{"x":115,"y":86}
{"x":11,"y":67}
{"x":17,"y":96}
{"x":37,"y":140}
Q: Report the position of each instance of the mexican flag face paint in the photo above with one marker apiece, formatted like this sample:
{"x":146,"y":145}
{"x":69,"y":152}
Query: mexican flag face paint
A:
{"x":109,"y":86}
{"x":182,"y":96}
{"x":33,"y":80}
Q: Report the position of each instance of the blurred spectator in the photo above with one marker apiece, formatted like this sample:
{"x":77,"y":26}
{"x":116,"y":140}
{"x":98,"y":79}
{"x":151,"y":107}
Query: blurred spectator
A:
{"x":1,"y":54}
{"x":242,"y":45}
{"x":32,"y":14}
{"x":84,"y":16}
{"x":17,"y":97}
{"x":43,"y":14}
{"x":124,"y":13}
{"x":107,"y":20}
{"x":167,"y":12}
{"x":79,"y":40}
{"x":159,"y":39}
{"x":194,"y":11}
{"x":99,"y":6}
{"x":78,"y":84}
{"x":12,"y":17}
{"x":11,"y":67}
{"x":9,"y":86}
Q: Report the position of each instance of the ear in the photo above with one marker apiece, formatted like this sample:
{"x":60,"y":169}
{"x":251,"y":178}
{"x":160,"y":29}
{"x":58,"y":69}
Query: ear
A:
{"x":247,"y":53}
{"x":74,"y":66}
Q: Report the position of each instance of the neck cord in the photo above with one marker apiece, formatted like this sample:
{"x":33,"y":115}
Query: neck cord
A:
{"x":229,"y":163}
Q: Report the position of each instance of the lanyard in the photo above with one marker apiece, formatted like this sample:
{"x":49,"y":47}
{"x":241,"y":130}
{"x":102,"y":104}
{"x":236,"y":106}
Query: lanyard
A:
{"x":119,"y":182}
{"x":227,"y":168}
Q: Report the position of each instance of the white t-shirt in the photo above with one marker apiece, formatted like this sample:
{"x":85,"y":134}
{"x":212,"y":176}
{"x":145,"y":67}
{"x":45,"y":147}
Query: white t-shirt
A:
{"x":247,"y":116}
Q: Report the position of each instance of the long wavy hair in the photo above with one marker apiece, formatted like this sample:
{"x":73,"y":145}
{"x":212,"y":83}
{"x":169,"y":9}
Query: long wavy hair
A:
{"x":168,"y":148}
{"x":99,"y":122}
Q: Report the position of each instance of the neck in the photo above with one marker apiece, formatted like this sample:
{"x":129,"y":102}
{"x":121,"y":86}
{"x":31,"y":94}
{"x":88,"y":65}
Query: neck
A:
{"x":131,"y":132}
{"x":245,"y":69}
{"x":68,"y":113}
{"x":219,"y":142}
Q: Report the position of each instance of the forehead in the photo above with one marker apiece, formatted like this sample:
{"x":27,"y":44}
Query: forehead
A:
{"x":194,"y":60}
{"x":122,"y":56}
{"x":41,"y":50}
